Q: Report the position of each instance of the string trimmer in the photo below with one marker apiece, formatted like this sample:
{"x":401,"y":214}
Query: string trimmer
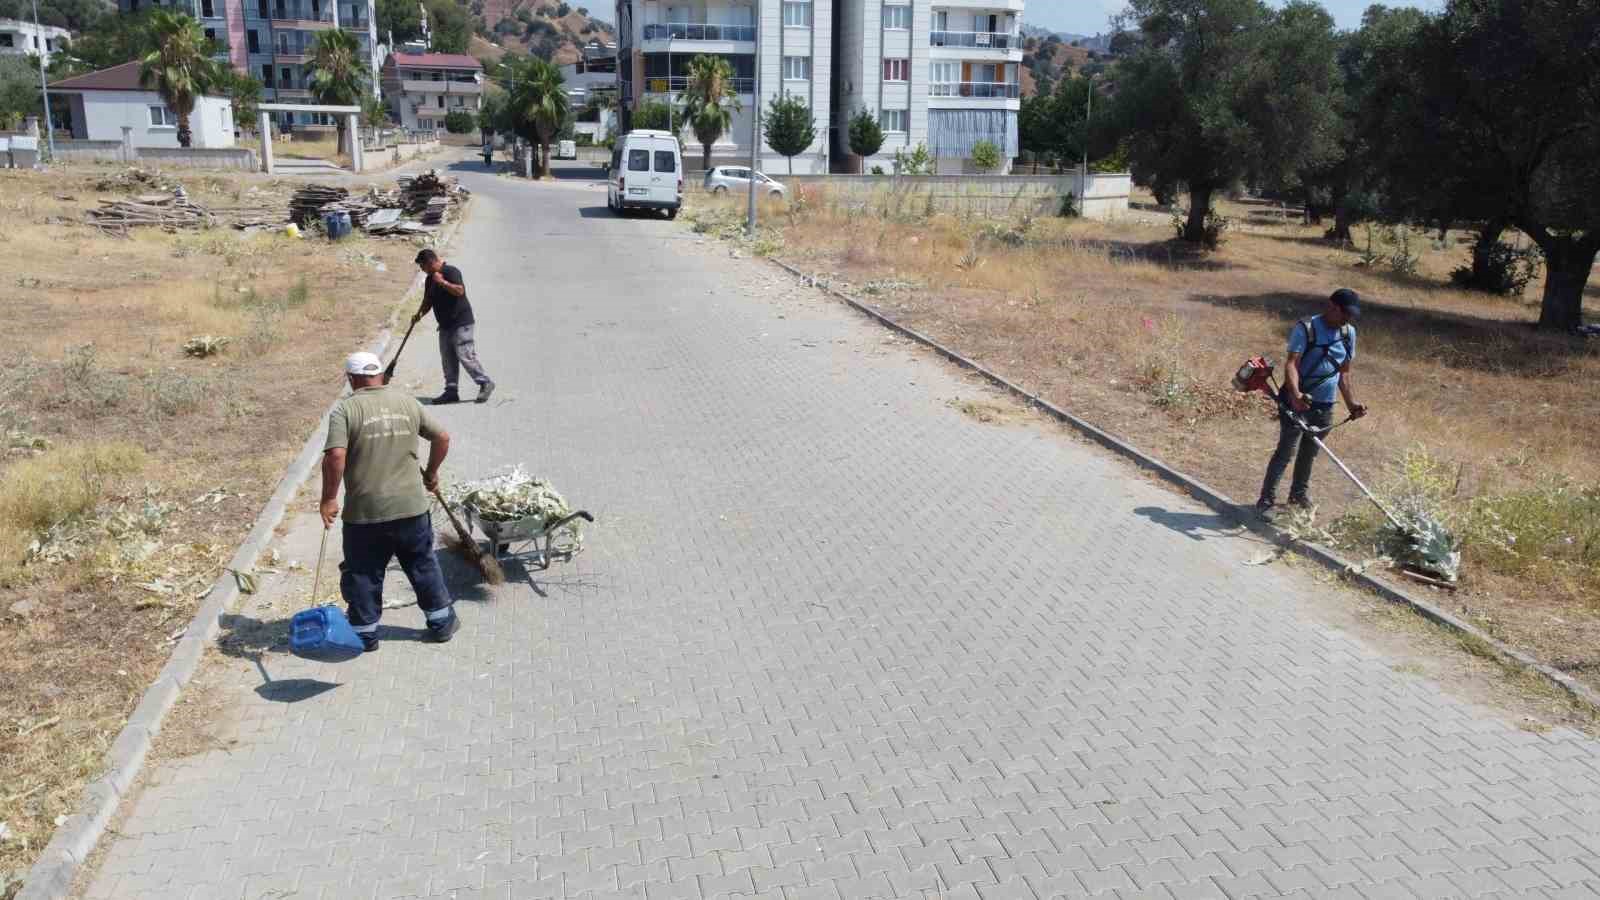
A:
{"x":1428,"y":544}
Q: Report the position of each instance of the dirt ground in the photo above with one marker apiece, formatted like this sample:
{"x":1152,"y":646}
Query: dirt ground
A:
{"x":1118,"y":324}
{"x":132,"y":469}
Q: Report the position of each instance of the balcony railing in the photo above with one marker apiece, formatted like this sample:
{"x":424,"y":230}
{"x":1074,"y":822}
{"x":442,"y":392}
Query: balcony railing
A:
{"x":972,"y":40}
{"x":995,"y":90}
{"x":664,"y":85}
{"x":426,"y":86}
{"x":691,"y":32}
{"x":301,"y":14}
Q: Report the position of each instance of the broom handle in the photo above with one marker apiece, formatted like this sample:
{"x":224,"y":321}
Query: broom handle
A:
{"x":461,"y":532}
{"x":316,"y":578}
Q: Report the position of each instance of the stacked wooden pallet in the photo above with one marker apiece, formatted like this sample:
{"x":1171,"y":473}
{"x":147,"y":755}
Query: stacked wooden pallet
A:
{"x":170,"y":212}
{"x":306,"y":205}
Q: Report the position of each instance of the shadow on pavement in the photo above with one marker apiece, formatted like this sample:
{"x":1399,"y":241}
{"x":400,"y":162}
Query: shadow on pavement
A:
{"x":597,"y":212}
{"x":1194,"y":526}
{"x":293,"y":690}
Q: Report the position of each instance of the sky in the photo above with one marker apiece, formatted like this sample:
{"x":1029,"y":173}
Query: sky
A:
{"x":1092,"y":16}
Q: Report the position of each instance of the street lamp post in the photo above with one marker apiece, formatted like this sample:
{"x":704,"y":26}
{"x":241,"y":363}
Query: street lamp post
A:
{"x":44,"y":86}
{"x":1088,"y":112}
{"x":755,"y":145}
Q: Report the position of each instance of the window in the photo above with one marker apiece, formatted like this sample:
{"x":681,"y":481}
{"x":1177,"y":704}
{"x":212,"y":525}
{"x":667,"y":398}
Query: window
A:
{"x":638,"y":160}
{"x":895,"y":120}
{"x":897,"y":18}
{"x":797,"y":13}
{"x":943,"y":77}
{"x":253,"y":38}
{"x":211,"y":34}
{"x":797,"y":68}
{"x":6,"y":40}
{"x":287,"y":81}
{"x":666,"y":161}
{"x":262,"y":9}
{"x":266,"y":76}
{"x":162,"y":117}
{"x":206,"y":10}
{"x":440,"y":98}
{"x":896,"y":69}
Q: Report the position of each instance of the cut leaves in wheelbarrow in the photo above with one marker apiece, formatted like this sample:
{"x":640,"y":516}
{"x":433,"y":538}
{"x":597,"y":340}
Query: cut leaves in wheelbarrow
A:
{"x":514,"y":496}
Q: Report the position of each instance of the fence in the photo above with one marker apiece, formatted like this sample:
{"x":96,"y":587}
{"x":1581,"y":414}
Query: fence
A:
{"x":234,"y":158}
{"x":18,"y":150}
{"x":1106,"y":196}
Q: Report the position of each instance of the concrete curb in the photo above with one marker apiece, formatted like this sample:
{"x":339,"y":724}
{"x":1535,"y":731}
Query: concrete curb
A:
{"x":1225,"y":505}
{"x":52,"y":874}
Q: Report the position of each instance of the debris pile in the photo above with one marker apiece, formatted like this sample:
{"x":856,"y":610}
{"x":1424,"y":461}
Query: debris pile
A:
{"x":430,"y":195}
{"x":168,"y":211}
{"x":133,"y":180}
{"x":307,"y":204}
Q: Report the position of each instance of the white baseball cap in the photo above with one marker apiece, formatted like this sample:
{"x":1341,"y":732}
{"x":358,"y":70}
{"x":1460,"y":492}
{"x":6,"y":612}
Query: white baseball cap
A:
{"x":363,"y":364}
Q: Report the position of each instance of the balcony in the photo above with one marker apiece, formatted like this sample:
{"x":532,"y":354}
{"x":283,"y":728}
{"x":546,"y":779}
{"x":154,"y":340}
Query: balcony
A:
{"x":428,"y":86}
{"x":973,"y":40}
{"x":302,"y":16}
{"x":663,"y":85}
{"x":982,"y":90}
{"x":290,"y":55}
{"x":687,"y":31}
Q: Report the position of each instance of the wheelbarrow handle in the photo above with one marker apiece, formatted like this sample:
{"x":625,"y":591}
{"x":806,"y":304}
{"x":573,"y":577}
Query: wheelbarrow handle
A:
{"x":580,"y":514}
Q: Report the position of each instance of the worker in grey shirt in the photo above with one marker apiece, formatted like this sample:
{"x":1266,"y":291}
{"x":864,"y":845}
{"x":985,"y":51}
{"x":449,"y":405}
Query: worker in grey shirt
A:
{"x":446,"y":294}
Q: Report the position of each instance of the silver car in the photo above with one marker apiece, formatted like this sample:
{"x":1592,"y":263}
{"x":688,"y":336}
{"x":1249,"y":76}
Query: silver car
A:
{"x":722,"y":179}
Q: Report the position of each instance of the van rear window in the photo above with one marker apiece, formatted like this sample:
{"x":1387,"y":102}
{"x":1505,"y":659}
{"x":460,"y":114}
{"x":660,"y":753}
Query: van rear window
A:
{"x":638,"y":160}
{"x":666,"y":161}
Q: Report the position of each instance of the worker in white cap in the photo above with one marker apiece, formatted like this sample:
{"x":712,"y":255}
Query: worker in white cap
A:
{"x":372,"y":451}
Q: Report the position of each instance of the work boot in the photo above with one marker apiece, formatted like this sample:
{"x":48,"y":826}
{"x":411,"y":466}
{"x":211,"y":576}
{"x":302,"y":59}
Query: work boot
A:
{"x":369,"y":643}
{"x":449,"y":396}
{"x":443,"y":632}
{"x":1302,"y":501}
{"x":484,"y":390}
{"x":1264,"y":507}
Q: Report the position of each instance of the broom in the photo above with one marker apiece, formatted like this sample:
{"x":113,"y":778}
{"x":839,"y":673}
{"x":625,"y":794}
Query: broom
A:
{"x":488,"y":566}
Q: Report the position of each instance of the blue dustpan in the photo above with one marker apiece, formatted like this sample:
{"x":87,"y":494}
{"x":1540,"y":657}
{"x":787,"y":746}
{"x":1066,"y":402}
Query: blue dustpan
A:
{"x":323,"y":634}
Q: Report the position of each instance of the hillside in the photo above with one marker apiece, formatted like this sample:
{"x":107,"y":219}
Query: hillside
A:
{"x":1049,"y":60}
{"x":550,"y":29}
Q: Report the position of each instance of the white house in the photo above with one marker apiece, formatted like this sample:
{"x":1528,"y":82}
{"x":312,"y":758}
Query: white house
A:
{"x":17,"y":37}
{"x":423,"y":88}
{"x":97,"y":106}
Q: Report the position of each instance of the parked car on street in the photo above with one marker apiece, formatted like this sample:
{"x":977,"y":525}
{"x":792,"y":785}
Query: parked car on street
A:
{"x":646,"y":172}
{"x":722,"y":179}
{"x":567,"y":150}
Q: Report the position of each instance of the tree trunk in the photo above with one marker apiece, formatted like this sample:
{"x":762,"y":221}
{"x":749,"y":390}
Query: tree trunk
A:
{"x":544,"y":159}
{"x":185,"y":136}
{"x":1194,"y":230}
{"x":1488,"y":237}
{"x":342,"y":146}
{"x":791,"y":165}
{"x":1568,"y":262}
{"x":705,"y":157}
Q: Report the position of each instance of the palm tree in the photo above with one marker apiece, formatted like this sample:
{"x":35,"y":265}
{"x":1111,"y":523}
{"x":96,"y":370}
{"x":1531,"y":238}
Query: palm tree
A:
{"x":709,"y":102}
{"x":180,"y":69}
{"x":540,"y":104}
{"x":337,"y":76}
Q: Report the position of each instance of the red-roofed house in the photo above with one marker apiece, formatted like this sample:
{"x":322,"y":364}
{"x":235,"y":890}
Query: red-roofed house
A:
{"x":99,"y":104}
{"x":422,"y":88}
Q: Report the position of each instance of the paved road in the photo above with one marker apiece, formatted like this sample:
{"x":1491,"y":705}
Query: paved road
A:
{"x":835,"y":639}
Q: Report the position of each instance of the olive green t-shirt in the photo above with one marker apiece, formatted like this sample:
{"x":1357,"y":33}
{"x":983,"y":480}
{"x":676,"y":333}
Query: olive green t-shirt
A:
{"x":378,"y":429}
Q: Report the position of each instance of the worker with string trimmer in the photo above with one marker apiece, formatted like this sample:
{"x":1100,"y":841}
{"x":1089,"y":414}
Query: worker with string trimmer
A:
{"x":1321,"y":350}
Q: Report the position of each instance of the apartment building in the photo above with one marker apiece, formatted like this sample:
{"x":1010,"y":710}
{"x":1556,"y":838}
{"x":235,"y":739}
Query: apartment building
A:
{"x":793,"y":39}
{"x":18,"y":37}
{"x":271,"y":39}
{"x":941,"y":73}
{"x":944,"y":74}
{"x":423,"y":88}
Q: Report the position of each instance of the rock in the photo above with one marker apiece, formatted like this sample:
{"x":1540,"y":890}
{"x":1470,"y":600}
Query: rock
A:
{"x":23,"y":607}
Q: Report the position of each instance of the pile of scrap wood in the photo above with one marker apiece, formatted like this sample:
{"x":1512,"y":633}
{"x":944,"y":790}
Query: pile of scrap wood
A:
{"x":306,"y":205}
{"x":134,"y":179}
{"x":170,"y":212}
{"x":418,"y":195}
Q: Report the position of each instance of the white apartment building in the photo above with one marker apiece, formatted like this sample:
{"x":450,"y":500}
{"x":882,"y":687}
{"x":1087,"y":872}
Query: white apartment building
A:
{"x":942,"y":73}
{"x":18,"y":37}
{"x":945,"y":74}
{"x":421,"y":89}
{"x":793,"y":39}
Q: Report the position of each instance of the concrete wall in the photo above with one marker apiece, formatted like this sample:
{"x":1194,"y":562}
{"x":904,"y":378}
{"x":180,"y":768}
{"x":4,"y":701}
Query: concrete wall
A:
{"x":234,"y":158}
{"x":89,"y":151}
{"x":979,"y":195}
{"x":105,"y":113}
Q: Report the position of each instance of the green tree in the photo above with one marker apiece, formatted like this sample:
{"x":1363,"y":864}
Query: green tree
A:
{"x":402,"y":18}
{"x":789,"y":127}
{"x":337,"y":76}
{"x":1512,"y":127}
{"x":374,"y":113}
{"x":538,"y":104}
{"x":866,"y":135}
{"x":653,"y":115}
{"x":492,"y":111}
{"x":450,"y":26}
{"x":245,"y":93}
{"x":180,"y":69}
{"x":1201,"y":103}
{"x":985,"y":157}
{"x":917,"y":162}
{"x":73,"y":15}
{"x":459,"y":121}
{"x":709,"y":102}
{"x":19,"y":90}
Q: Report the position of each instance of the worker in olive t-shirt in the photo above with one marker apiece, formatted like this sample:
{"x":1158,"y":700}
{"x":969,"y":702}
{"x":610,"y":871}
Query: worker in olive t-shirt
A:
{"x":372,"y":449}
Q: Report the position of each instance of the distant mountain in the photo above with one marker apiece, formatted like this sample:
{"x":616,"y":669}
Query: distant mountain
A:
{"x":550,"y":29}
{"x":1098,"y":42}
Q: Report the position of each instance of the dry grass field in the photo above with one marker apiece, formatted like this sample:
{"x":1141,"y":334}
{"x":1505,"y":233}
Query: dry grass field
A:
{"x":132,"y":467}
{"x":1474,"y":414}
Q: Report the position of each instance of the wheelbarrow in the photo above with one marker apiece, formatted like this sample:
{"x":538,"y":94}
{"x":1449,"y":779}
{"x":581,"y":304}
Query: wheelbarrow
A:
{"x":531,"y":532}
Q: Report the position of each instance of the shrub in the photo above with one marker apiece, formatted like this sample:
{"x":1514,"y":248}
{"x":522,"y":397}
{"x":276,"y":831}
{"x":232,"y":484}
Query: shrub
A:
{"x":878,"y":170}
{"x":1069,"y":206}
{"x":460,"y":122}
{"x":917,"y":162}
{"x":1506,"y":270}
{"x":563,"y":10}
{"x":1162,"y":372}
{"x":985,"y":156}
{"x":1216,"y":226}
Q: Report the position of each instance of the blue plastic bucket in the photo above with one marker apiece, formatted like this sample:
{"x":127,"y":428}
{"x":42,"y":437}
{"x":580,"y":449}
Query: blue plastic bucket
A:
{"x":323,"y":634}
{"x":337,"y":224}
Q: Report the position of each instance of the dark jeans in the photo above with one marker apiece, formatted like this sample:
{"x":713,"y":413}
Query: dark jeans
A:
{"x":1291,"y":435}
{"x":367,"y":551}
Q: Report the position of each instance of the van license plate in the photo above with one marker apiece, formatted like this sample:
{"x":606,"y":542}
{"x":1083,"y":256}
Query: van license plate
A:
{"x":638,"y":192}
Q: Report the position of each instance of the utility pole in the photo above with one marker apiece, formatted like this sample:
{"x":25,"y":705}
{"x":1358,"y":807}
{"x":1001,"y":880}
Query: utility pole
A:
{"x":755,"y":138}
{"x":1088,"y":112}
{"x":44,"y":86}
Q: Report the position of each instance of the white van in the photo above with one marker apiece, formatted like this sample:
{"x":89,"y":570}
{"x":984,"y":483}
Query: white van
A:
{"x":567,"y":150}
{"x":646,"y":173}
